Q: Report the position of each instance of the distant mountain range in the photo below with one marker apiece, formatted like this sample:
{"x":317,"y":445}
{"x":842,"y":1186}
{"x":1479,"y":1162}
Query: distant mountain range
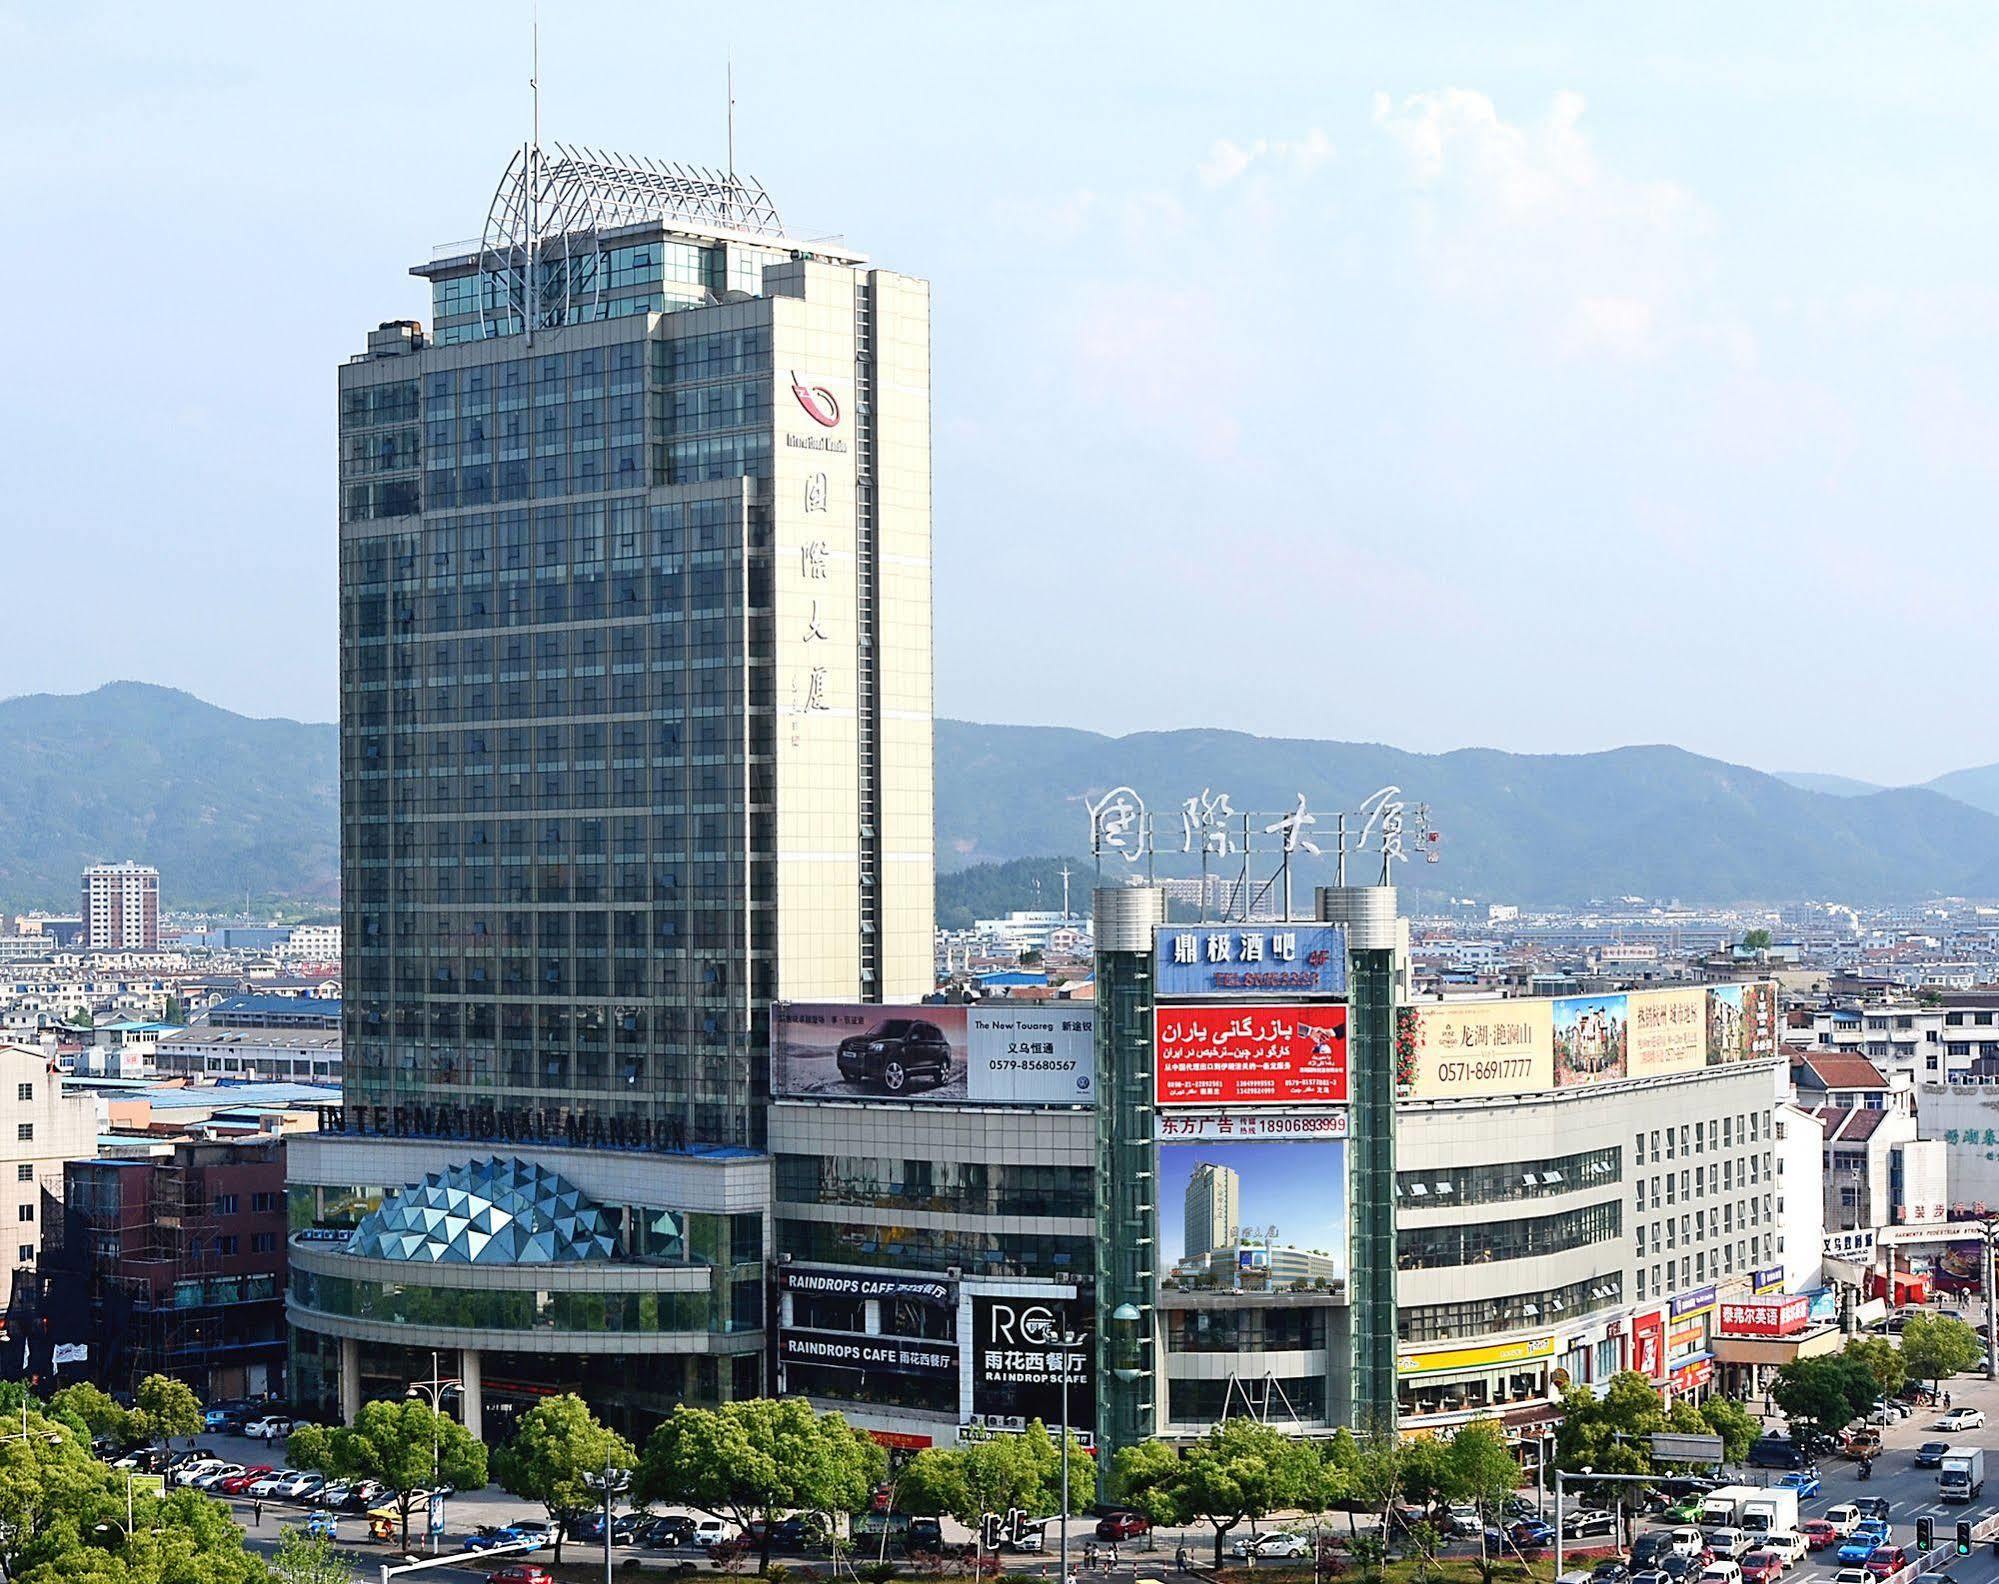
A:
{"x":222,"y":805}
{"x":227,"y":806}
{"x":1539,"y":828}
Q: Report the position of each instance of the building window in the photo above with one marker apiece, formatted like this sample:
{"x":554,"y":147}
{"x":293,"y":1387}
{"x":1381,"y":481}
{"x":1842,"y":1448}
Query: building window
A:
{"x":262,"y":1242}
{"x":25,"y":1254}
{"x":225,"y":1245}
{"x":24,"y":1132}
{"x":225,"y":1204}
{"x":24,"y":1172}
{"x":24,"y":1091}
{"x":26,"y":1213}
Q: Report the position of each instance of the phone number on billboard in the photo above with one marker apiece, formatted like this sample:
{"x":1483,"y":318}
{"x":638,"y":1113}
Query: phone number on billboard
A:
{"x":1452,"y":1072}
{"x":1020,"y":1064}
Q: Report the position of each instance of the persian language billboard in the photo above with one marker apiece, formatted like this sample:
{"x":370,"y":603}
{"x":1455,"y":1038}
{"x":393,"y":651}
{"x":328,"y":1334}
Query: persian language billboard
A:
{"x":997,"y":1053}
{"x":1466,"y":1049}
{"x":1591,"y":1040}
{"x":1666,"y":1031}
{"x":1281,"y":1054}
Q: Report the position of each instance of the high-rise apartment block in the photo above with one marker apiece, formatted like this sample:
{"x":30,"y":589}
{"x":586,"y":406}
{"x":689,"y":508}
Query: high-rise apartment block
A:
{"x":635,"y":738}
{"x":1213,"y":1209}
{"x":121,"y":907}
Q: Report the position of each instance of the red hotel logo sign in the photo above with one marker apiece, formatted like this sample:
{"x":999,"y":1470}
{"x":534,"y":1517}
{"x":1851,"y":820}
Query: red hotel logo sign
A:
{"x":820,"y":404}
{"x":1251,"y":1055}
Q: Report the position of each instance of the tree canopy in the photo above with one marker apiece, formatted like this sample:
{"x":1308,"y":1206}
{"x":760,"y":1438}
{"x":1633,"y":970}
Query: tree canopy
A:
{"x":168,"y":1408}
{"x":403,"y":1444}
{"x":1021,"y":1470}
{"x":760,"y":1458}
{"x":1936,"y":1347}
{"x":1822,"y":1396}
{"x":1240,"y":1469}
{"x":1882,"y":1360}
{"x":558,"y":1445}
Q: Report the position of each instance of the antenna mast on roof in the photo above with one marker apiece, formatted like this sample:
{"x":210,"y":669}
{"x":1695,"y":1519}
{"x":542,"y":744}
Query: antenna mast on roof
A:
{"x":731,"y":80}
{"x":531,"y":161}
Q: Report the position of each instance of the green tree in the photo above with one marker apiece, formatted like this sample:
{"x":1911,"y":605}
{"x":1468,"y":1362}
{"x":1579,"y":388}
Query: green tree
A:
{"x":758,"y":1459}
{"x":98,"y":1415}
{"x":1735,"y":1424}
{"x":1756,"y":940}
{"x":1821,"y":1396}
{"x":1936,"y":1347}
{"x":406,"y":1445}
{"x":1479,"y":1467}
{"x":167,"y":1408}
{"x":1882,"y":1360}
{"x":558,"y":1445}
{"x":309,"y":1559}
{"x":1021,"y":1470}
{"x":1239,"y":1470}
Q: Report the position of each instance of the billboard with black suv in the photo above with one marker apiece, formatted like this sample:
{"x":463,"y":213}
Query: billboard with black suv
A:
{"x":1039,"y":1053}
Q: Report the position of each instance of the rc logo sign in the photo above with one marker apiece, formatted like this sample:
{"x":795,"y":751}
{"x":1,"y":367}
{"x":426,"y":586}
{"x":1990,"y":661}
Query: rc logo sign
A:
{"x":820,"y":404}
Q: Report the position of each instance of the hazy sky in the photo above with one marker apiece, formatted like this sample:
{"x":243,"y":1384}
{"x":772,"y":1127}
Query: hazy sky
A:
{"x":1542,"y":377}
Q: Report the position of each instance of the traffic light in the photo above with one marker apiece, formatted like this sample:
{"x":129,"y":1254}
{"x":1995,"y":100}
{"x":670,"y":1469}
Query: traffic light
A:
{"x":1926,"y":1534}
{"x":1964,"y":1537}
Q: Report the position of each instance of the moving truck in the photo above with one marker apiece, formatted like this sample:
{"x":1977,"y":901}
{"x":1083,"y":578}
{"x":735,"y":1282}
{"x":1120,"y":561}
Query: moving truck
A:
{"x":1961,"y":1474}
{"x":1768,"y":1511}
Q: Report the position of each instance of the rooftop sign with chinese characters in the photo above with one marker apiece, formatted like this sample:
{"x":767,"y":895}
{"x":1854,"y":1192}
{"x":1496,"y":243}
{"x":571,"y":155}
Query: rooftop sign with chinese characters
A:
{"x":1251,"y":960}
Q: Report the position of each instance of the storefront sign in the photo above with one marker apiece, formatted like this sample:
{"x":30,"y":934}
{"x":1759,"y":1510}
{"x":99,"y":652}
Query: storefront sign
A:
{"x":1251,"y":960}
{"x":1769,"y":1279}
{"x":1853,"y":1246}
{"x":1648,"y":1345}
{"x":1765,"y":1317}
{"x":1689,"y":1377}
{"x":1435,"y":1361}
{"x":1251,"y":1055}
{"x":846,"y":1284}
{"x":1185,"y":1126}
{"x":1699,"y":1301}
{"x":898,"y":1356}
{"x":900,"y":1440}
{"x":1026,"y":1352}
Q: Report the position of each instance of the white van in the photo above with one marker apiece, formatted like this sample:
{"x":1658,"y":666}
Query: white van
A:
{"x":710,"y":1531}
{"x":1720,"y":1572}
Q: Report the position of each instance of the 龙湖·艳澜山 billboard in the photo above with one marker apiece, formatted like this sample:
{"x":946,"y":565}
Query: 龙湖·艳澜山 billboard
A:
{"x":1467,"y":1049}
{"x":1275,"y":1054}
{"x":997,"y":1053}
{"x":1741,"y":1022}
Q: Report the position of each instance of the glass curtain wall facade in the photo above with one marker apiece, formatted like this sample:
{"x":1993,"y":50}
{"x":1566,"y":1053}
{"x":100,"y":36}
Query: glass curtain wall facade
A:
{"x":635,"y":694}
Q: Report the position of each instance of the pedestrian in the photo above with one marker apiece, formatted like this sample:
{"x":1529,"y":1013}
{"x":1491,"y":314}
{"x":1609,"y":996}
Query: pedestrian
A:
{"x":257,"y":1512}
{"x":1180,"y":1558}
{"x":1946,"y":1399}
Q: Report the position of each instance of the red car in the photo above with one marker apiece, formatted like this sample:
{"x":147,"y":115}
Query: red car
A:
{"x":1762,"y":1567}
{"x":1887,"y":1559}
{"x":1123,"y":1526}
{"x":521,"y":1573}
{"x":236,"y":1484}
{"x":1819,"y":1534}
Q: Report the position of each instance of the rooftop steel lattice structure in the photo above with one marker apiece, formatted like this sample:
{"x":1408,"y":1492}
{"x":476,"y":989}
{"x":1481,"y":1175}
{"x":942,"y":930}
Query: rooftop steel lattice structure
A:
{"x":488,"y":1212}
{"x":553,"y":204}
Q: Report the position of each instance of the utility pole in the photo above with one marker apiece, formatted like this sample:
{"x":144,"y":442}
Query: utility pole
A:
{"x":1991,"y":1310}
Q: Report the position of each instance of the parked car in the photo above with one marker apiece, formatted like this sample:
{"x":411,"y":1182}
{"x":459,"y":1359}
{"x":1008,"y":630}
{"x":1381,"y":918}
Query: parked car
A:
{"x":1845,"y":1518}
{"x":239,"y":1484}
{"x":1462,"y":1519}
{"x":1584,"y":1525}
{"x":710,"y":1531}
{"x":1124,"y":1526}
{"x":894,"y":1053}
{"x":1284,"y":1545}
{"x":209,"y":1475}
{"x":1804,"y":1481}
{"x":1819,"y":1534}
{"x":672,"y":1529}
{"x":302,"y":1487}
{"x":1962,"y":1419}
{"x":1776,"y":1451}
{"x":793,"y":1533}
{"x":272,"y":1427}
{"x":1531,"y":1534}
{"x":267,"y":1486}
{"x":521,"y":1573}
{"x":1930,"y":1454}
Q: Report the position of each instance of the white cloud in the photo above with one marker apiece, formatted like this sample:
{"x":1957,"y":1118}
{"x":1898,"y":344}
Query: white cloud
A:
{"x":1229,"y":161}
{"x":1529,"y":215}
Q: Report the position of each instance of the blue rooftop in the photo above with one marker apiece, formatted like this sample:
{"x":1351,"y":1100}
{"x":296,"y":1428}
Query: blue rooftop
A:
{"x":228,"y":1096}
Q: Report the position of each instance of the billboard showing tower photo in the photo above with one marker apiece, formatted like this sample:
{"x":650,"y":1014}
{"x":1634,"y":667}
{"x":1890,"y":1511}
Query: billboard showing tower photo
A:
{"x":1252,"y":1217}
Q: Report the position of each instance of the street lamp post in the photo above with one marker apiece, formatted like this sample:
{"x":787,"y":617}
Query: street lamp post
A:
{"x":1990,"y":1228}
{"x":612,"y":1483}
{"x":433,"y":1390}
